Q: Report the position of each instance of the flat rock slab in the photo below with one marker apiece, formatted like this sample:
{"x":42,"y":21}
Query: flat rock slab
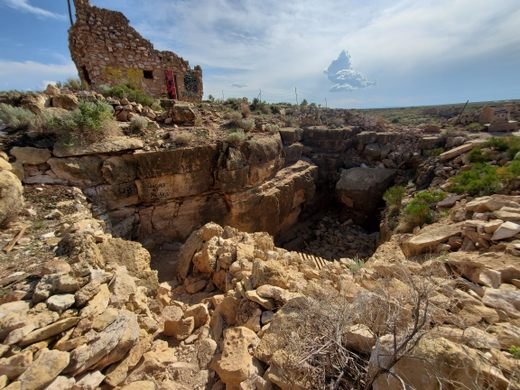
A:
{"x":30,"y":155}
{"x":506,"y":230}
{"x":429,"y":238}
{"x":117,"y":144}
{"x":452,"y":153}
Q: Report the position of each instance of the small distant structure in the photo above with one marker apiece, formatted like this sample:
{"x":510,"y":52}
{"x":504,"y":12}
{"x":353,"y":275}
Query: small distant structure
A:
{"x":108,"y":51}
{"x":498,"y":119}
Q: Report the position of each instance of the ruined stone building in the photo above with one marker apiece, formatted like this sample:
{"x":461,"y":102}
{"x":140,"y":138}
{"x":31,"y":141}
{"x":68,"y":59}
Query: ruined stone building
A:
{"x":108,"y":51}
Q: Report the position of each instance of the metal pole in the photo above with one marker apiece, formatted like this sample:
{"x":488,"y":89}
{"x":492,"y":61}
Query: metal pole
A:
{"x":70,"y":12}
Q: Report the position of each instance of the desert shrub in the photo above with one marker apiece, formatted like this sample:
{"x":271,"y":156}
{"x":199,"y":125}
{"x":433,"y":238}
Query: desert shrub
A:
{"x":72,"y":84}
{"x":497,"y":143}
{"x":474,"y":127}
{"x":476,"y":155}
{"x":357,"y":264}
{"x":314,"y":333}
{"x":245,"y":110}
{"x":235,"y":103}
{"x":236,"y":137}
{"x":394,"y":196}
{"x":514,"y":168}
{"x":16,"y":118}
{"x":182,"y":139}
{"x":260,"y":106}
{"x":480,"y":179}
{"x":130,"y":92}
{"x":421,"y":210}
{"x":91,"y":121}
{"x":510,"y":144}
{"x":138,"y":124}
{"x":271,"y":128}
{"x":236,"y":121}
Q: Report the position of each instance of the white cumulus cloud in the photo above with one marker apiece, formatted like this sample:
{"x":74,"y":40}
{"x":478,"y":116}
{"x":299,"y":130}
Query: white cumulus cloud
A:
{"x":343,"y":76}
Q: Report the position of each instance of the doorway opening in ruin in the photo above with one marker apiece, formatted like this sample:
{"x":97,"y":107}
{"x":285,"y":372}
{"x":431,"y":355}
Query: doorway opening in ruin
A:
{"x":329,"y":230}
{"x":86,"y":76}
{"x":148,"y":74}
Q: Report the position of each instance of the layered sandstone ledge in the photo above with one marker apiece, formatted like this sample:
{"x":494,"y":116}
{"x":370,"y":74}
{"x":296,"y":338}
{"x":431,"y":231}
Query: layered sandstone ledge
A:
{"x":165,"y":195}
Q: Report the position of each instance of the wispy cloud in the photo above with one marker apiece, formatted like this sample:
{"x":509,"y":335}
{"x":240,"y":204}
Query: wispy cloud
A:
{"x":24,"y":6}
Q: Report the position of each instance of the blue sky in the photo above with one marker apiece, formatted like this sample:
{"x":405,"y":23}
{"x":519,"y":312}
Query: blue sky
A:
{"x":398,"y":52}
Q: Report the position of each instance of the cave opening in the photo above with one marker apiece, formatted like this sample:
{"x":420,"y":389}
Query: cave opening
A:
{"x":328,"y":229}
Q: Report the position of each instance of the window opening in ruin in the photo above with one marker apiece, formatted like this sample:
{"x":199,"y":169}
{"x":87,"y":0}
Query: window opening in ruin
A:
{"x":190,"y":82}
{"x":148,"y":74}
{"x":86,"y":76}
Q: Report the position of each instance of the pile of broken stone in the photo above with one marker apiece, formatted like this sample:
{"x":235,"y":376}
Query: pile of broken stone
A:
{"x":489,"y":223}
{"x":95,"y":315}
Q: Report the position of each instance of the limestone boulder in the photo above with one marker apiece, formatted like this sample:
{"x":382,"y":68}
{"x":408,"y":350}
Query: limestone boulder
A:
{"x":78,"y":171}
{"x":183,"y":114}
{"x":48,"y":365}
{"x":132,"y":255}
{"x":439,"y":358}
{"x":429,"y":238}
{"x":235,"y":364}
{"x":359,"y":338}
{"x":60,"y":302}
{"x":505,"y":231}
{"x":67,"y":101}
{"x":11,"y":196}
{"x":505,"y":301}
{"x":29,"y":155}
{"x":111,"y":345}
{"x":14,"y":365}
{"x":361,"y":190}
{"x":193,"y":245}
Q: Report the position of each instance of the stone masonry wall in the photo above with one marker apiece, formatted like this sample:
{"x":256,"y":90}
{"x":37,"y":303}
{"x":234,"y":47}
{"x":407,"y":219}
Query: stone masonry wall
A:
{"x":108,"y":51}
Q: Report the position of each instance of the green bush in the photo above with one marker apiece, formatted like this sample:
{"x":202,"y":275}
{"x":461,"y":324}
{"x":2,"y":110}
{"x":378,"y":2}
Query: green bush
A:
{"x":473,"y":127}
{"x":480,"y":179}
{"x":510,"y":144}
{"x":394,"y":196}
{"x":91,"y":121}
{"x":515,"y":351}
{"x":130,"y":92}
{"x":514,"y":168}
{"x":421,"y":208}
{"x":16,"y":118}
{"x":431,"y":197}
{"x":476,"y":156}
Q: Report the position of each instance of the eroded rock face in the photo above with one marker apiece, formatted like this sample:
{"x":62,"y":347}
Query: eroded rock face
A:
{"x":11,"y":196}
{"x":164,"y":195}
{"x":361,"y":190}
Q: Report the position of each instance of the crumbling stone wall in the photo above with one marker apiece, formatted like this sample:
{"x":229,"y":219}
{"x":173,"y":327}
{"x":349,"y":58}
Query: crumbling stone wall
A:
{"x":107,"y":50}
